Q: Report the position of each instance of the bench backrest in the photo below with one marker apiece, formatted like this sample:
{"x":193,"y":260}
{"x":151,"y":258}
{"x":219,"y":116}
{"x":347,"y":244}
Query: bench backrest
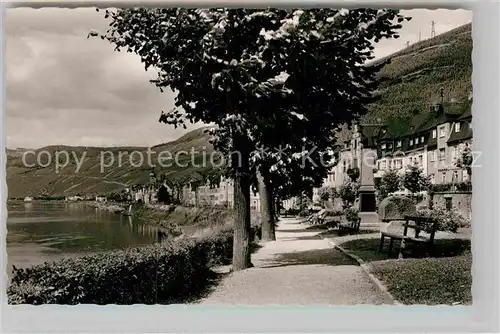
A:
{"x":420,"y":224}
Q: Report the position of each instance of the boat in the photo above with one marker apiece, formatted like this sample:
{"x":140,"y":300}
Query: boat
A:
{"x":28,"y":199}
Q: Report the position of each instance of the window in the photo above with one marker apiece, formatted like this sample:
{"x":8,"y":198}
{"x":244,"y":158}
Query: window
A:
{"x":398,"y":144}
{"x":345,"y":166}
{"x":434,"y":134}
{"x":333,"y":176}
{"x":420,"y":160}
{"x":455,"y":176}
{"x":416,"y":141}
{"x":433,"y":178}
{"x":382,"y":165}
{"x":411,"y":142}
{"x":422,"y":139}
{"x":398,"y":163}
{"x":457,"y":126}
{"x":443,"y":177}
{"x":383,"y":146}
{"x":346,"y":145}
{"x":442,"y":153}
{"x":442,"y":131}
{"x":432,"y":155}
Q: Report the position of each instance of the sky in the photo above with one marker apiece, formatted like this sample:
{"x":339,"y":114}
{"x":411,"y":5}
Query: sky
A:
{"x":63,"y":88}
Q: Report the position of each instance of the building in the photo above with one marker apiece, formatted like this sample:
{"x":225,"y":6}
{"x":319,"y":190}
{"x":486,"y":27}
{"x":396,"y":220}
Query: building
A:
{"x":432,"y":140}
{"x":220,"y":193}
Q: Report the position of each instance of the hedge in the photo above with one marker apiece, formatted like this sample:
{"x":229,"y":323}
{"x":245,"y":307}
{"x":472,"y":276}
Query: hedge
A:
{"x":157,"y":274}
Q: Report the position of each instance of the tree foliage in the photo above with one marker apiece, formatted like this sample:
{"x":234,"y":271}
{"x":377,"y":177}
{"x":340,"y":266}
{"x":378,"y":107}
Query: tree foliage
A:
{"x":267,"y":78}
{"x":348,"y":192}
{"x":389,"y":183}
{"x":415,"y":180}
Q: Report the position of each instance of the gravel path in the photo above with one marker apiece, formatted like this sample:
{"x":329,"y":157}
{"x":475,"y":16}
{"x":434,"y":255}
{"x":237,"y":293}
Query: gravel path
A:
{"x":298,"y":268}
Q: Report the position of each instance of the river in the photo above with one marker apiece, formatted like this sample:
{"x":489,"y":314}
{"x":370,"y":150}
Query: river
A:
{"x":45,"y":231}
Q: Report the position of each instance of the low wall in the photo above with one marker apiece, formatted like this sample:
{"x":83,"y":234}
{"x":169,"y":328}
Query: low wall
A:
{"x":459,"y":201}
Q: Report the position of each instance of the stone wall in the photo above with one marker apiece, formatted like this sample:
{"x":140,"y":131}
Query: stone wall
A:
{"x":459,"y":201}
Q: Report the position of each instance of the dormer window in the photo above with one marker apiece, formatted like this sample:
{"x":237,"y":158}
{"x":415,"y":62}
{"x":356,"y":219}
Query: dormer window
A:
{"x":416,"y":141}
{"x":384,"y":146}
{"x":422,"y":139}
{"x":398,"y":143}
{"x":411,"y":142}
{"x":457,"y":127}
{"x":442,"y":131}
{"x":434,"y":134}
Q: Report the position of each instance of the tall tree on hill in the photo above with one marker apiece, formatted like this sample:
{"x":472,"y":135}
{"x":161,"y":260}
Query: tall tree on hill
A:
{"x":252,"y":71}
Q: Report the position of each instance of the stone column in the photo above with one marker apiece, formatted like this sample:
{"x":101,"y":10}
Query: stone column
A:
{"x":367,"y":201}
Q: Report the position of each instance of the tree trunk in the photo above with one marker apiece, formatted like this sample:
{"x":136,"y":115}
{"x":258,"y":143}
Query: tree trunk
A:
{"x":242,"y":230}
{"x":266,"y":208}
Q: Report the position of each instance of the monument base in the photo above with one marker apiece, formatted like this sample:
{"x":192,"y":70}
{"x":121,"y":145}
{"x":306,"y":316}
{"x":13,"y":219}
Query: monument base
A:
{"x":367,"y":200}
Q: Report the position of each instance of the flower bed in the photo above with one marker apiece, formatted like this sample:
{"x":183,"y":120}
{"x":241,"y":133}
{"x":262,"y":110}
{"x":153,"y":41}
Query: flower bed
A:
{"x":161,"y":273}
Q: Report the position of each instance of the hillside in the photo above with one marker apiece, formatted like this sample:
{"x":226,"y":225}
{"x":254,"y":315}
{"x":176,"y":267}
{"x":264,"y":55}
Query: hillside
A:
{"x":414,"y":76}
{"x":23,"y":181}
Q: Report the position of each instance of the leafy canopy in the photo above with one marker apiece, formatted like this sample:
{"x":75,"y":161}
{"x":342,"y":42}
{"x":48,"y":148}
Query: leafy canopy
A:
{"x":271,"y":76}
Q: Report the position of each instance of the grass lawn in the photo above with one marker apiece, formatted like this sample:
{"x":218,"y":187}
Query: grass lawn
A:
{"x":430,"y":281}
{"x":443,"y":279}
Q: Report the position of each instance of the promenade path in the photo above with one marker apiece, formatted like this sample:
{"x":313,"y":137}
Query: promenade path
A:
{"x":299,"y":268}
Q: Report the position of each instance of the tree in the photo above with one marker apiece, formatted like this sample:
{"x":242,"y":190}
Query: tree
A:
{"x":324,"y":193}
{"x":465,"y":160}
{"x":163,"y":195}
{"x":389,"y":183}
{"x":415,"y":180}
{"x":263,"y":77}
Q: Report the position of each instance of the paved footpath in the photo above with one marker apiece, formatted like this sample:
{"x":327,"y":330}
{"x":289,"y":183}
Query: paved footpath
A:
{"x":298,"y":268}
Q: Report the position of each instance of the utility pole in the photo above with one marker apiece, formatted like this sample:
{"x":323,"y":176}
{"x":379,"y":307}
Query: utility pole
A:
{"x":433,"y":29}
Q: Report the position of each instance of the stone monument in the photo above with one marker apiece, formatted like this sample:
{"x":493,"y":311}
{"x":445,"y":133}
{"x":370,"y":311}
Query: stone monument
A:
{"x":367,"y":200}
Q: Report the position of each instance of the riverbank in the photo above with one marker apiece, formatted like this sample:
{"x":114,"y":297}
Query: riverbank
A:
{"x":177,"y":220}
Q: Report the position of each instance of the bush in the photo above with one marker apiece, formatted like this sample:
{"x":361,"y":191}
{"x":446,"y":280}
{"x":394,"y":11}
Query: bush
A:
{"x":464,"y":186}
{"x":436,"y":188}
{"x":428,"y":281}
{"x":160,"y":273}
{"x":447,"y":220}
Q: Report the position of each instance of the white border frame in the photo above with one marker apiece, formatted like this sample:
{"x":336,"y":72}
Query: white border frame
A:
{"x":481,"y":317}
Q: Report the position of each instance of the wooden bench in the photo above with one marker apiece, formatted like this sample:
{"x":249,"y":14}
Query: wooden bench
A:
{"x":350,"y":227}
{"x":419,"y":224}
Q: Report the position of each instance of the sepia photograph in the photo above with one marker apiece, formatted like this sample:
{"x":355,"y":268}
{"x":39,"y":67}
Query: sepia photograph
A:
{"x":236,"y":156}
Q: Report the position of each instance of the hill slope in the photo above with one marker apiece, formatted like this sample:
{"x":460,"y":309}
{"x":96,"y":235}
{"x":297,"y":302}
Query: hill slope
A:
{"x":104,"y":169}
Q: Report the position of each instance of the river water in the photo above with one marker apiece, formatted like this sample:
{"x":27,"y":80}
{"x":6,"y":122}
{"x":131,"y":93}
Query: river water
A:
{"x":44,"y":231}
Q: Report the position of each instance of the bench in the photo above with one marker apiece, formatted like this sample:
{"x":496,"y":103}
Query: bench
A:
{"x":419,"y":224}
{"x":350,"y":227}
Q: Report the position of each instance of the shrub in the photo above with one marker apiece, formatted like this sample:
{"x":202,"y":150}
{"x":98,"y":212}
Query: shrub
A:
{"x":464,"y":186}
{"x":351,"y":214}
{"x":436,"y":188}
{"x":160,"y":273}
{"x":395,"y":208}
{"x":348,"y":192}
{"x":447,"y":220}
